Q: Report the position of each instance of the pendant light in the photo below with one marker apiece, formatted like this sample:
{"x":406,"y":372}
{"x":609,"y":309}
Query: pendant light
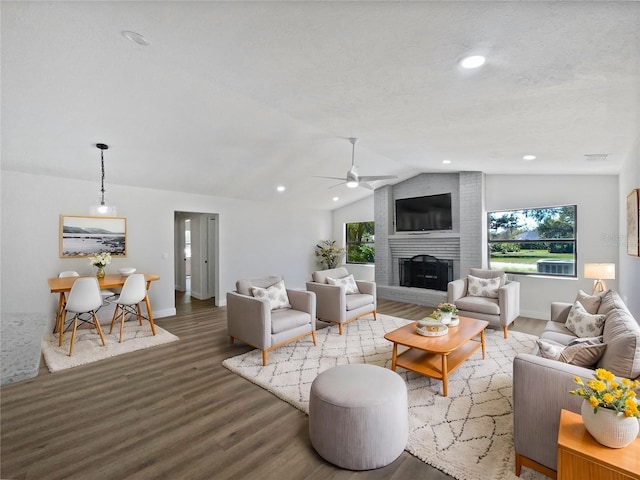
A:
{"x":102,"y":208}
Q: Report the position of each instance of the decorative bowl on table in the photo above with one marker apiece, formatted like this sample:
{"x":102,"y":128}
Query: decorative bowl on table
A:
{"x":428,"y":327}
{"x":455,"y":321}
{"x":126,"y":271}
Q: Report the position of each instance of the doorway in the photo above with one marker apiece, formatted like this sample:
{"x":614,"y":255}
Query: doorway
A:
{"x":196,"y":255}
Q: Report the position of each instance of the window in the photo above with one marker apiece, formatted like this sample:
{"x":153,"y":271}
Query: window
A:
{"x":360,"y":242}
{"x":539,"y":241}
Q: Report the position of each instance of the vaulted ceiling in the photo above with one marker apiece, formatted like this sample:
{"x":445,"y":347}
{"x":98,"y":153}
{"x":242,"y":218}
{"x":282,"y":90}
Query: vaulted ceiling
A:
{"x":235,"y":98}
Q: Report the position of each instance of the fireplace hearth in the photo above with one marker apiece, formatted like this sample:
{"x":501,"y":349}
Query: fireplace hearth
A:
{"x":425,"y":271}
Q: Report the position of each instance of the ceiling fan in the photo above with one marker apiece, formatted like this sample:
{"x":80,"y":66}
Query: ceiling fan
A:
{"x":354,"y":180}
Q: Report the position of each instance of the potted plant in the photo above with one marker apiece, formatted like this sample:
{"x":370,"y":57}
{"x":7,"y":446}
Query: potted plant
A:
{"x":609,"y":409}
{"x":446,"y":312}
{"x":330,"y":255}
{"x":101,"y":260}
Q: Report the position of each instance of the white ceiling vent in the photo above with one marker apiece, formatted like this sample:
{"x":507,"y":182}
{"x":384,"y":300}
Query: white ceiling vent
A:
{"x":596,"y":157}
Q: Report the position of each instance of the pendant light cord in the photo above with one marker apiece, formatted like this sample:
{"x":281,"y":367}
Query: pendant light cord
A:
{"x":102,"y":184}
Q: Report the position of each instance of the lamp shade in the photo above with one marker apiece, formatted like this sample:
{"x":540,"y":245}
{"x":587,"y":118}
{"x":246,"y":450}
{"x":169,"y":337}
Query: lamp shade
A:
{"x":600,"y":271}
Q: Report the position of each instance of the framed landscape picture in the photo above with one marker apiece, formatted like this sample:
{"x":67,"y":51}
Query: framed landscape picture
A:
{"x":633,"y":211}
{"x":86,"y":236}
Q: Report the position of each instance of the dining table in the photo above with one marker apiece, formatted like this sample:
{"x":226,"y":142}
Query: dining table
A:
{"x":62,"y":285}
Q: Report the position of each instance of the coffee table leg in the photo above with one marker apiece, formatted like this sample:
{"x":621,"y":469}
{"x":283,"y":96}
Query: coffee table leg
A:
{"x":394,"y":356}
{"x":445,"y":380}
{"x":482,"y":340}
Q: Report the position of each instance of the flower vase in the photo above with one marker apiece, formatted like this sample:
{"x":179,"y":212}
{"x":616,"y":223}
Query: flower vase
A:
{"x":445,"y":318}
{"x":608,"y":427}
{"x":100,"y":273}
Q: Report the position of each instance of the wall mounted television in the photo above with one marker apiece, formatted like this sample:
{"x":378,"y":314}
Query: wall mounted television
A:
{"x":423,"y":214}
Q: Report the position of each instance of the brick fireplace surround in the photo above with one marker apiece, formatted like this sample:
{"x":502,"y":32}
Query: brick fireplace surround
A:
{"x":464,"y":244}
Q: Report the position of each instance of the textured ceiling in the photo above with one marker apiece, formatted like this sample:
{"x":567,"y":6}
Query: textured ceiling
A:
{"x":235,"y":98}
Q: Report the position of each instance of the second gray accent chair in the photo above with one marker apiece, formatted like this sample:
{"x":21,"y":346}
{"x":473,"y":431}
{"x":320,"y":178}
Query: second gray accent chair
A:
{"x":252,"y":321}
{"x":334,"y":304}
{"x":500,"y":312}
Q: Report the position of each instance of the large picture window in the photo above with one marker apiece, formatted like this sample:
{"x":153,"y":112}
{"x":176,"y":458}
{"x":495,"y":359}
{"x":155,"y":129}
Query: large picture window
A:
{"x":540,"y":241}
{"x":360,"y":242}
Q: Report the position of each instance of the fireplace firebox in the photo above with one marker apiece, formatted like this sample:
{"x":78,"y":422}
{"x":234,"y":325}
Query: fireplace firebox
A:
{"x":426,"y":271}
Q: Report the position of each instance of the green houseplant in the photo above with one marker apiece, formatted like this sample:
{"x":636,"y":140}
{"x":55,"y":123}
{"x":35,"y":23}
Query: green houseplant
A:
{"x":329,"y":254}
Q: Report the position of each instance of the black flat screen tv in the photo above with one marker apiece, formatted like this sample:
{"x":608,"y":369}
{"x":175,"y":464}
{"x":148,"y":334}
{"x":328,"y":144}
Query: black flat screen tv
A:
{"x":423,"y":214}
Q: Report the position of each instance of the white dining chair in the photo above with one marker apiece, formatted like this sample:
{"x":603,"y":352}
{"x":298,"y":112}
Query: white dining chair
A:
{"x":84,"y":297}
{"x":133,"y":292}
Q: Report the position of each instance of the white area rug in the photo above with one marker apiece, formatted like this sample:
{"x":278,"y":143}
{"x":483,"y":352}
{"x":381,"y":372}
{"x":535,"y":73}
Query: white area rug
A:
{"x":88,"y":348}
{"x":468,"y":435}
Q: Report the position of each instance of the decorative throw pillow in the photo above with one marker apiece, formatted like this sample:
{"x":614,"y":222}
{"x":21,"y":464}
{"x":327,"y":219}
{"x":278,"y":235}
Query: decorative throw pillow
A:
{"x":587,"y":341}
{"x":276,"y":294}
{"x":583,"y":354}
{"x":549,"y":349}
{"x":582,"y":323}
{"x":348,"y":282}
{"x":590,"y":302}
{"x":483,"y":287}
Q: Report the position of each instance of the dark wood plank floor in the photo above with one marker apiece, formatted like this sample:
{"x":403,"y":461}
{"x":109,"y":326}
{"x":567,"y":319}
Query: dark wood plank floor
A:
{"x":171,"y":412}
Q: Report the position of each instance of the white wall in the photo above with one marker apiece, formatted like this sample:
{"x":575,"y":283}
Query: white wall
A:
{"x":629,"y":267}
{"x":360,"y":211}
{"x":254,"y":240}
{"x":597,"y":220}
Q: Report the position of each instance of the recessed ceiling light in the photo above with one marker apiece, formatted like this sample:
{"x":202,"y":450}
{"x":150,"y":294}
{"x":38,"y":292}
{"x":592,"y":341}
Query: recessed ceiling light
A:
{"x":136,"y":37}
{"x":529,"y":157}
{"x":335,"y":199}
{"x":472,"y":61}
{"x":446,"y":162}
{"x":281,"y":188}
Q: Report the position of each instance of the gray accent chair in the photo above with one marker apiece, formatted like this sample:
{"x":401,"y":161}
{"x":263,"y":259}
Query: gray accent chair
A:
{"x":334,"y":305}
{"x":251,"y":320}
{"x":499,"y":312}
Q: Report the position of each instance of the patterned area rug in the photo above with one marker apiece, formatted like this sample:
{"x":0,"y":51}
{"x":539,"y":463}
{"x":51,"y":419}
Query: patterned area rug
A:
{"x":88,"y":348}
{"x":467,"y":435}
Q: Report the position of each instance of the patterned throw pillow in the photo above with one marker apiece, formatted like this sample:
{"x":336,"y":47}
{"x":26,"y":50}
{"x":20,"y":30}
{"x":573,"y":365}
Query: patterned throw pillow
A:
{"x":276,"y":294}
{"x":584,"y":324}
{"x":583,"y":354}
{"x":549,"y":349}
{"x":483,"y":287}
{"x":349,"y":283}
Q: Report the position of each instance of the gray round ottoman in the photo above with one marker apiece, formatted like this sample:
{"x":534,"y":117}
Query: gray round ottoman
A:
{"x":358,"y":416}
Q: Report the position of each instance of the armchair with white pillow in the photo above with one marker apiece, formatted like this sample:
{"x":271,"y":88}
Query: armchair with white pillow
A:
{"x":340,"y":298}
{"x":264,"y":314}
{"x":486,"y":295}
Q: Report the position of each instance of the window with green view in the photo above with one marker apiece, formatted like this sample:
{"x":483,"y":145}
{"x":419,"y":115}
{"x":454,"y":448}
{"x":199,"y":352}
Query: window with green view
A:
{"x":540,"y":241}
{"x":360,"y":242}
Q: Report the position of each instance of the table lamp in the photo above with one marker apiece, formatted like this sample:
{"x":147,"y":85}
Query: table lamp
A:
{"x":599,"y":272}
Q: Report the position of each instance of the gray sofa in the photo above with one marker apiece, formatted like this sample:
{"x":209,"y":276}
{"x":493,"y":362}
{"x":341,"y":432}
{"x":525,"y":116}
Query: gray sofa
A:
{"x":541,"y":385}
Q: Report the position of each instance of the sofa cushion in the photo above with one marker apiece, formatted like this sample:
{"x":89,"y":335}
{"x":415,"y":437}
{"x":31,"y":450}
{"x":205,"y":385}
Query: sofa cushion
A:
{"x":358,"y":300}
{"x":276,"y":294}
{"x":583,"y":354}
{"x":582,"y":323}
{"x":590,"y":302}
{"x":244,"y":286}
{"x":483,"y":287}
{"x":286,"y":319}
{"x":321,"y":275}
{"x":622,"y":335}
{"x":348,"y":282}
{"x":479,"y":304}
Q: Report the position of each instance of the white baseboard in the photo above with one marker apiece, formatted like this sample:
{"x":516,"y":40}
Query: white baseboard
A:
{"x":165,"y":312}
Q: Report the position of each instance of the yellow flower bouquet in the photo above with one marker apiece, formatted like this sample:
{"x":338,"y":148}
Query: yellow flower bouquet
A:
{"x":604,"y":391}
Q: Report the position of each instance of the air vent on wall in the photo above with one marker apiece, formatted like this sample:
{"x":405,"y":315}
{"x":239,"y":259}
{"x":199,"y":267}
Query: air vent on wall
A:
{"x":596,"y":157}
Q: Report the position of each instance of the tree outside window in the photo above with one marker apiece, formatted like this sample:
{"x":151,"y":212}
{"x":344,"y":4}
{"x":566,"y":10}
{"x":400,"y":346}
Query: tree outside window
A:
{"x":360,"y":242}
{"x":539,"y":241}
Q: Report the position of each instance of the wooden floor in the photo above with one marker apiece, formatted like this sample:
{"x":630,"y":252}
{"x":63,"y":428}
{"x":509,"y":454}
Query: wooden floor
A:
{"x":172,"y":412}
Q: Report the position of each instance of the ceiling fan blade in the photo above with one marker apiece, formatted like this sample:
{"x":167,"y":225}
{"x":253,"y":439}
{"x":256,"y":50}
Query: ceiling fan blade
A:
{"x":365,"y":185}
{"x":338,"y":184}
{"x":330,"y":178}
{"x":371,"y":178}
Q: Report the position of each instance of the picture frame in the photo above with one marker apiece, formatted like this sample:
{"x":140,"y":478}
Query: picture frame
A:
{"x":83,"y":236}
{"x":633,"y":214}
